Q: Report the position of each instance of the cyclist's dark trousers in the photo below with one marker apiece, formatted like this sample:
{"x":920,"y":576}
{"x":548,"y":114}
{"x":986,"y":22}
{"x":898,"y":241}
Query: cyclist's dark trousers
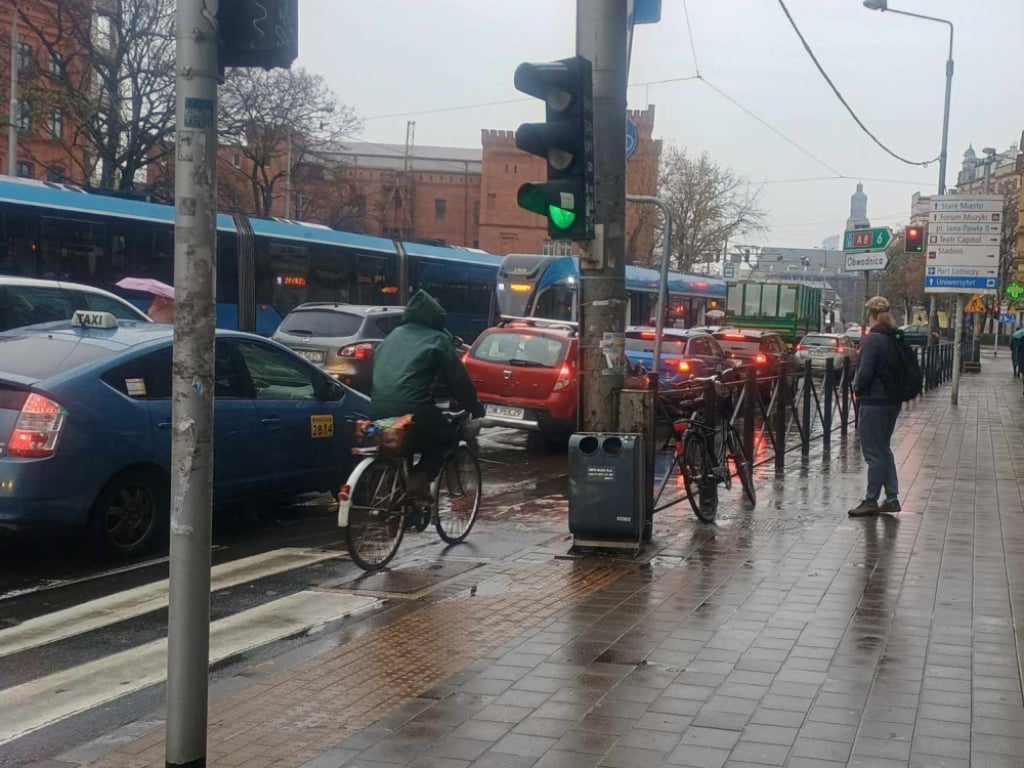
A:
{"x":432,"y":436}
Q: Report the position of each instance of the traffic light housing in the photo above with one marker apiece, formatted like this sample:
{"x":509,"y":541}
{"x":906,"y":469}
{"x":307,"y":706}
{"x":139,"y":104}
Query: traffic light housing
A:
{"x":258,"y":33}
{"x":914,"y":239}
{"x":566,"y":141}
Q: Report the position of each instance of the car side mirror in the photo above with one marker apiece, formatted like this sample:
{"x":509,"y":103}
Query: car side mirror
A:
{"x":332,"y":391}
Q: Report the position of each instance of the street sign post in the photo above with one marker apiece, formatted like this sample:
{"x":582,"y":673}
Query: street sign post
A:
{"x":867,"y":240}
{"x":865,"y":262}
{"x":964,"y":234}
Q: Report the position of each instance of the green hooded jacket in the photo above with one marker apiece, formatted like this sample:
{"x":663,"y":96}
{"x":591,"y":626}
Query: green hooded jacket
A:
{"x":412,"y":357}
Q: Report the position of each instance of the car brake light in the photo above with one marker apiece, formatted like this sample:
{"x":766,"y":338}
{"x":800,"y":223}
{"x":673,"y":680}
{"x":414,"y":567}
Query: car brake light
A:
{"x":564,"y":377}
{"x":801,"y":347}
{"x":683,"y":367}
{"x":840,"y":350}
{"x":358,"y":351}
{"x":646,"y":335}
{"x":734,"y":336}
{"x":761,"y":358}
{"x":38,"y":428}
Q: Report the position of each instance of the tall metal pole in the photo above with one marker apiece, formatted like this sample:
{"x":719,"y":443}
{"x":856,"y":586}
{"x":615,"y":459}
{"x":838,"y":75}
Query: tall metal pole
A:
{"x":933,"y":317}
{"x":601,"y":38}
{"x":958,"y":340}
{"x":195,"y":195}
{"x":288,"y":179}
{"x":12,"y":115}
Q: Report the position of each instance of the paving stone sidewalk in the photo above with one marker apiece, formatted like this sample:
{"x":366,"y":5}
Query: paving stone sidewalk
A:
{"x":786,"y":635}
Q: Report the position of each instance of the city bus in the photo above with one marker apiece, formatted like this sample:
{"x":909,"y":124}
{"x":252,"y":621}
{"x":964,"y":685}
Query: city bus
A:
{"x":530,"y":285}
{"x":265,"y":267}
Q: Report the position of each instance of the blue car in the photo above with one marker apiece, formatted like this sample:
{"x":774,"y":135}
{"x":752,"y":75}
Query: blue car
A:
{"x":85,"y":427}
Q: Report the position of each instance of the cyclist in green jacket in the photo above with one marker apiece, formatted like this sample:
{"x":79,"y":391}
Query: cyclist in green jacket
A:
{"x":405,"y":366}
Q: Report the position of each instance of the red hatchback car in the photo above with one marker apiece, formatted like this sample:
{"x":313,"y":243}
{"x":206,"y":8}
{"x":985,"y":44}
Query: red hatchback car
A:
{"x":525,"y":375}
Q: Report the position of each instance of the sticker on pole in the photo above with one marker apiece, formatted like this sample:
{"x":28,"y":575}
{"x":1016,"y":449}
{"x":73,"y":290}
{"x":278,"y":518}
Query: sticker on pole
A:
{"x":198,"y":113}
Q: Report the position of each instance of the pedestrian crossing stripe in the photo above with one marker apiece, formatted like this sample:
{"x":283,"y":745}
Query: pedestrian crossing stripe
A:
{"x":144,"y":599}
{"x":50,"y":699}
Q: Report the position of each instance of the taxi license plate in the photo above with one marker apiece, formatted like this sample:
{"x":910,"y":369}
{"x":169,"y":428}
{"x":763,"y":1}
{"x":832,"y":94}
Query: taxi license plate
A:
{"x":821,"y":352}
{"x":505,"y":412}
{"x":313,"y":355}
{"x":321,"y":426}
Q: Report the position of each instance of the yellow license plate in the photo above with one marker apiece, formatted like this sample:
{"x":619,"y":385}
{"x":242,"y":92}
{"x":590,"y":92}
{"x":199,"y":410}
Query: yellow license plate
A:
{"x":321,"y":426}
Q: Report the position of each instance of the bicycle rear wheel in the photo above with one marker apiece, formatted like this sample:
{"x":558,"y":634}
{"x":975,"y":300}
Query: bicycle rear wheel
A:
{"x":744,"y":466}
{"x":376,"y":521}
{"x":699,"y":478}
{"x":458,"y":495}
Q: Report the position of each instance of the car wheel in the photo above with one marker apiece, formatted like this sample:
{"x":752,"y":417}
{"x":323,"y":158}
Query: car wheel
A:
{"x":130,"y":514}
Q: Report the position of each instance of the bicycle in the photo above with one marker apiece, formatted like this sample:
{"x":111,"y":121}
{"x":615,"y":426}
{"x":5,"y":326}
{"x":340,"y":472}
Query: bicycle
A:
{"x":374,"y":509}
{"x":703,"y":451}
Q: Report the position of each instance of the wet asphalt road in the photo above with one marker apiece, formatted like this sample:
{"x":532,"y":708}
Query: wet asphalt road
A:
{"x":45,"y":573}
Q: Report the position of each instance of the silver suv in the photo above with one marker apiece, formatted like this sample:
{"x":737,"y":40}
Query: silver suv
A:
{"x":340,"y":338}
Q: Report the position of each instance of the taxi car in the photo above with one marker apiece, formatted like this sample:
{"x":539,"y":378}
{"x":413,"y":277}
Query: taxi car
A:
{"x":85,"y":427}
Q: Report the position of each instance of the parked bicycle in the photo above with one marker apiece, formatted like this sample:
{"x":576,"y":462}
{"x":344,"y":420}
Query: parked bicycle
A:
{"x":703,"y":452}
{"x":374,"y":508}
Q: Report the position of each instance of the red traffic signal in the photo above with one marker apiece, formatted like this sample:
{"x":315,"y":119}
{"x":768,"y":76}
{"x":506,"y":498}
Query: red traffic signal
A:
{"x":914,"y":239}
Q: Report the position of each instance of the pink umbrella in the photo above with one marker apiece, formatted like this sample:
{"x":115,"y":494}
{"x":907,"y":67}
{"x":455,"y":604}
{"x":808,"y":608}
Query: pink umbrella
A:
{"x":148,"y":285}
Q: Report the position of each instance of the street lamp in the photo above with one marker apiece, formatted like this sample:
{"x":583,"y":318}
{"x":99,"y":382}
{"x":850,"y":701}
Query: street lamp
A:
{"x":12,"y":115}
{"x":883,"y":5}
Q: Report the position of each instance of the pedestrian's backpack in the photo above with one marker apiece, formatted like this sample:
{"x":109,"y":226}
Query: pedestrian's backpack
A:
{"x":901,"y":375}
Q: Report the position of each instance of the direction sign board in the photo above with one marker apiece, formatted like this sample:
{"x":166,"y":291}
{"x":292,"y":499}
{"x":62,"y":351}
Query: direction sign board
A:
{"x":644,"y":11}
{"x":866,"y":240}
{"x":964,"y":238}
{"x":1007,"y":318}
{"x":728,"y":271}
{"x":866,"y":262}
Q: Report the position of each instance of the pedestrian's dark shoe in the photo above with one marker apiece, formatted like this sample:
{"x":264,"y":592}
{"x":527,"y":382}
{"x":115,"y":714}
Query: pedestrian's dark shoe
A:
{"x":890,"y":507}
{"x":864,"y":509}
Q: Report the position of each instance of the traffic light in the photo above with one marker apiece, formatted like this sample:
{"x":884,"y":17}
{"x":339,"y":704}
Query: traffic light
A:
{"x":914,"y":239}
{"x":566,"y":141}
{"x":258,"y":33}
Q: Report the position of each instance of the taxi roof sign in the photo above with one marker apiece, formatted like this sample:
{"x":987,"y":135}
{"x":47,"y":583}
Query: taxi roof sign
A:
{"x":84,"y":318}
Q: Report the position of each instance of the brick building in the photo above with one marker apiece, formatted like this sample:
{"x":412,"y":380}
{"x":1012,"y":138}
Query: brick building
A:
{"x":507,"y":228}
{"x":47,"y":145}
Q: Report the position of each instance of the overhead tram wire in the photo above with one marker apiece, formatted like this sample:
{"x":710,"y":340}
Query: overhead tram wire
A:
{"x":839,"y":95}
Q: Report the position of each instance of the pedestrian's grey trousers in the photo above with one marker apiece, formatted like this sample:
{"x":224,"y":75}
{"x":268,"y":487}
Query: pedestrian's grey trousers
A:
{"x":875,"y":424}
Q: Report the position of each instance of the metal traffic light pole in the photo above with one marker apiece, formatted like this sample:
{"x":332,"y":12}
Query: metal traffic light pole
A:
{"x":195,"y":195}
{"x":601,"y":37}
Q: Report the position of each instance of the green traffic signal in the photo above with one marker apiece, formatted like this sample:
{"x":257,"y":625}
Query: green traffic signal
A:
{"x":560,"y":217}
{"x":536,"y":198}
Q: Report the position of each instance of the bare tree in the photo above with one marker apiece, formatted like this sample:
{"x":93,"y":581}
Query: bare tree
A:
{"x":903,"y":280}
{"x":110,"y":72}
{"x":710,"y":204}
{"x":263,"y":115}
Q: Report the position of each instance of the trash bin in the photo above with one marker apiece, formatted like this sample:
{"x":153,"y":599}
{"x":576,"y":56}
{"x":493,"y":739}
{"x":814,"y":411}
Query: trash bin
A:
{"x":606,"y":487}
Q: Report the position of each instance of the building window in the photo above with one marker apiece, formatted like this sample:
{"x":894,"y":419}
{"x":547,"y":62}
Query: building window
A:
{"x":476,"y":212}
{"x":236,"y":160}
{"x":24,"y":117}
{"x":24,"y":57}
{"x":557,"y":248}
{"x":440,"y":210}
{"x":492,"y":200}
{"x":56,"y":124}
{"x":57,"y":66}
{"x":56,"y":174}
{"x":25,"y":170}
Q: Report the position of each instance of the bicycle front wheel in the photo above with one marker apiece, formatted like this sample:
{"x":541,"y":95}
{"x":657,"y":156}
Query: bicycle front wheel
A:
{"x":744,"y":466}
{"x":699,"y":478}
{"x":376,"y":521}
{"x":458,"y":495}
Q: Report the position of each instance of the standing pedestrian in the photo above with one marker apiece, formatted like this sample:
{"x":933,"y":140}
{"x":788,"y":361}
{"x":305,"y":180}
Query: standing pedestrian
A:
{"x":877,"y":413}
{"x":1017,"y":352}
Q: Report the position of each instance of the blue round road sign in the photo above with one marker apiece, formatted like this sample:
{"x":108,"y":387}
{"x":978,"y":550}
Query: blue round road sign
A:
{"x":632,"y":137}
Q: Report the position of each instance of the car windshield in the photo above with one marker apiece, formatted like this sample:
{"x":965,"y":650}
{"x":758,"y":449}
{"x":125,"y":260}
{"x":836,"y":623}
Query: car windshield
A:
{"x":41,"y":356}
{"x":643,"y":341}
{"x":820,"y":341}
{"x":321,"y":322}
{"x":525,"y":349}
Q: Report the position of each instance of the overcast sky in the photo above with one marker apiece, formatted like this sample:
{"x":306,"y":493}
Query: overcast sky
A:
{"x":388,"y":57}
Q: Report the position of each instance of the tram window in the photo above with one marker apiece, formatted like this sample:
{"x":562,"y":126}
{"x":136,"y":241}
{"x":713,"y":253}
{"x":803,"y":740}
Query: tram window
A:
{"x":74,"y":249}
{"x":282,"y":273}
{"x":373,"y":277}
{"x":227,"y":267}
{"x":331,"y":276}
{"x":17,"y":255}
{"x":555,"y":303}
{"x":459,"y":288}
{"x":139,"y":250}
